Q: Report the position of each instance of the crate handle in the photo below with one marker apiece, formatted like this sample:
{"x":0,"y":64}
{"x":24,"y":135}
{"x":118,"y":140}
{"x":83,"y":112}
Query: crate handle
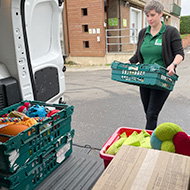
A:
{"x":68,"y":135}
{"x":133,"y":68}
{"x":4,"y":135}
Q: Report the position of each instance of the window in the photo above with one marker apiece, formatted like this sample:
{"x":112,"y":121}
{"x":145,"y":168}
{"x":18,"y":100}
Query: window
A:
{"x":84,"y":11}
{"x":86,"y":44}
{"x":85,"y":28}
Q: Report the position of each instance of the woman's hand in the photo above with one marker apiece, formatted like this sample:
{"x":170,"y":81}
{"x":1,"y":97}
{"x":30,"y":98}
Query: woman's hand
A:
{"x":171,"y":69}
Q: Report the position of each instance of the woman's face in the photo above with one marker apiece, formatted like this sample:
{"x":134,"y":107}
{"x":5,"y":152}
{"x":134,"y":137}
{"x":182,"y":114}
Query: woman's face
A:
{"x":153,"y":18}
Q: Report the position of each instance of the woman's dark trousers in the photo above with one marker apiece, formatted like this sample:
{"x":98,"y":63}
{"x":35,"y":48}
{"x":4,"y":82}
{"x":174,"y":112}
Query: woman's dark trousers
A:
{"x":153,"y":101}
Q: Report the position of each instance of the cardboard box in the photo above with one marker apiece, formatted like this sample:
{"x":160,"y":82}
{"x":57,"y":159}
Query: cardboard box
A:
{"x":138,"y":168}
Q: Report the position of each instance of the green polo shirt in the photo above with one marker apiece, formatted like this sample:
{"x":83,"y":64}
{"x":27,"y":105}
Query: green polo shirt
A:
{"x":151,"y":48}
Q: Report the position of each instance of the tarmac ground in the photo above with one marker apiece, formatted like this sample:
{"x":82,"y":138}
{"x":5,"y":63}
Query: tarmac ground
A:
{"x":103,"y":105}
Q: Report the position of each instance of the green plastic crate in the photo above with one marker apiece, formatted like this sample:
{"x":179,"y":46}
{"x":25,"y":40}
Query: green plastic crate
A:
{"x":147,"y":75}
{"x":35,"y":171}
{"x":18,"y":150}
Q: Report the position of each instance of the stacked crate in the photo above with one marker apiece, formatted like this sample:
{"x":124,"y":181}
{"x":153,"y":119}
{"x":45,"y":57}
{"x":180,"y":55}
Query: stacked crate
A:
{"x":146,"y":75}
{"x":28,"y":158}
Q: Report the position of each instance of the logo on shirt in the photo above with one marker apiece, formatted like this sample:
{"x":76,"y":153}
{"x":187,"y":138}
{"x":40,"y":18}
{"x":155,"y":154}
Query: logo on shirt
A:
{"x":158,"y":42}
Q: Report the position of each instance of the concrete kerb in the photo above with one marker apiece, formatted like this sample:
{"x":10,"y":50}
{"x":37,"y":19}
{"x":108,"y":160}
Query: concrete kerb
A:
{"x":94,"y":63}
{"x":87,"y":68}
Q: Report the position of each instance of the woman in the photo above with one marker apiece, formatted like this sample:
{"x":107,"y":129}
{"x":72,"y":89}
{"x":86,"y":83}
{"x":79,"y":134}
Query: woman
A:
{"x":159,"y":44}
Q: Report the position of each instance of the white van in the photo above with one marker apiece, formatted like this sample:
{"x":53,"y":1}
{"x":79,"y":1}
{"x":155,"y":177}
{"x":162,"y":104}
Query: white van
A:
{"x":31,"y":60}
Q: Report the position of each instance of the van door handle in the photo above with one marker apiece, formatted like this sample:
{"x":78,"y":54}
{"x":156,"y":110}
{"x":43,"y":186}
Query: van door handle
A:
{"x":64,"y":68}
{"x":60,"y":2}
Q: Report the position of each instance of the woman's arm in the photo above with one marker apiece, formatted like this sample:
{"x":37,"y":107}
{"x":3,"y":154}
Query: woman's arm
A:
{"x":171,"y":68}
{"x":177,"y":49}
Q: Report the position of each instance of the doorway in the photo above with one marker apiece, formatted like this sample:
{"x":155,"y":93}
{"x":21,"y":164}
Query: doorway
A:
{"x":135,"y":23}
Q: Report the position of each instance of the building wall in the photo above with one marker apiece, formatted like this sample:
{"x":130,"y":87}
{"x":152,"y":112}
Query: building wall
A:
{"x":95,"y":20}
{"x":86,"y":32}
{"x":113,"y":13}
{"x":122,"y":11}
{"x":125,"y":24}
{"x":165,"y":3}
{"x":169,"y":18}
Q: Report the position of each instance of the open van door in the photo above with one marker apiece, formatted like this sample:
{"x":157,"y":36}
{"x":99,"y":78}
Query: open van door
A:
{"x":30,"y":50}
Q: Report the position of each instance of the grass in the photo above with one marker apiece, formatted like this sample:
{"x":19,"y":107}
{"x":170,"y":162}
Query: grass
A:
{"x":71,"y":63}
{"x":183,"y":35}
{"x":74,"y":64}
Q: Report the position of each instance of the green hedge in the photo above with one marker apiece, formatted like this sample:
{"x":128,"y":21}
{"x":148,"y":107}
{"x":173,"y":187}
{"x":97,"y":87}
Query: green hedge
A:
{"x":185,"y":25}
